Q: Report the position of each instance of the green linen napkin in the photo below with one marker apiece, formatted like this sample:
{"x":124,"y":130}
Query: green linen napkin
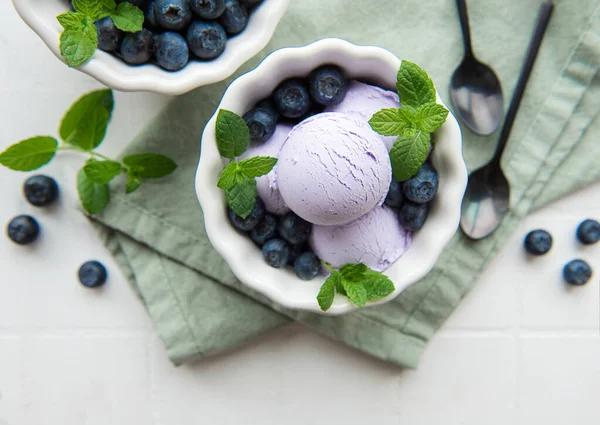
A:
{"x":199,"y":308}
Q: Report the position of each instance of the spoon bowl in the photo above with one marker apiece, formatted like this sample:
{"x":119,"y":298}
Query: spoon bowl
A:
{"x":475,"y":89}
{"x":477,"y":96}
{"x":488,"y":199}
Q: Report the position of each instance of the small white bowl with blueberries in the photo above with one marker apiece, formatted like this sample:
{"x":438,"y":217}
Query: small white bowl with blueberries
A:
{"x":328,"y":181}
{"x":164,"y":46}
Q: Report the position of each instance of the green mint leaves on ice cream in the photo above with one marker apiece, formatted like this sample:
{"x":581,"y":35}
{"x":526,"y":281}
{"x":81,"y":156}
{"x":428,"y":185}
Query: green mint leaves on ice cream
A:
{"x":419,"y":116}
{"x":238,"y":179}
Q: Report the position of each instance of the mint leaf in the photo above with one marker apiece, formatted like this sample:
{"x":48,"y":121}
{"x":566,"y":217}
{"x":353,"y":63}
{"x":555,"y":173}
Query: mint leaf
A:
{"x":415,"y":88}
{"x":102,"y":172}
{"x":233,"y":135}
{"x":353,"y":272}
{"x":94,"y":197}
{"x":408,"y":155}
{"x":92,"y":130}
{"x":29,"y":154}
{"x":71,"y":20}
{"x":377,"y":284}
{"x":133,"y":182}
{"x":257,"y":166}
{"x":91,"y":8}
{"x":228,"y":176}
{"x":77,"y":45}
{"x":431,"y":116}
{"x":150,"y":165}
{"x":109,"y":4}
{"x":356,"y":292}
{"x":388,"y":122}
{"x":241,"y":198}
{"x":327,"y":292}
{"x":76,"y":129}
{"x":128,"y":17}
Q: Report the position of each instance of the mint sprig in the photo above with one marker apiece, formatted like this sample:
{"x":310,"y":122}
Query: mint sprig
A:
{"x":79,"y":39}
{"x":419,"y":116}
{"x":82,"y":129}
{"x":238,"y":179}
{"x":356,"y":281}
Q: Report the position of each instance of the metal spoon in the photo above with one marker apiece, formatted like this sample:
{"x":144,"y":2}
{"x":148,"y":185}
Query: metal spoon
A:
{"x":475,"y":88}
{"x":487,"y":198}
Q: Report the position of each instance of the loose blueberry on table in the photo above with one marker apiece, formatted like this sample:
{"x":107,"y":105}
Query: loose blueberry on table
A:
{"x":23,"y":229}
{"x":588,"y":232}
{"x":577,"y":272}
{"x":92,"y":274}
{"x":315,"y":182}
{"x":169,"y":33}
{"x":40,"y":190}
{"x":538,"y":242}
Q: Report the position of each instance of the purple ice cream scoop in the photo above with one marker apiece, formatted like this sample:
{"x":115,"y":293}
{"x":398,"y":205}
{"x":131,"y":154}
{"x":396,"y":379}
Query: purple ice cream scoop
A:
{"x":333,"y":169}
{"x":266,"y":186}
{"x":375,"y":239}
{"x":363,"y":100}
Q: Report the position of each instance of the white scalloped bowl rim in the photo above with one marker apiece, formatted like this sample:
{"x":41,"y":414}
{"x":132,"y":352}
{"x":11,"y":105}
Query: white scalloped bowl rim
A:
{"x":40,"y":15}
{"x":372,"y":64}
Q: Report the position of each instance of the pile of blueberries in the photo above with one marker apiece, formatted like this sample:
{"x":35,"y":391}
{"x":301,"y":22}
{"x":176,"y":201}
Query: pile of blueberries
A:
{"x":176,"y":31}
{"x":42,"y":191}
{"x":576,"y":272}
{"x":284,"y":239}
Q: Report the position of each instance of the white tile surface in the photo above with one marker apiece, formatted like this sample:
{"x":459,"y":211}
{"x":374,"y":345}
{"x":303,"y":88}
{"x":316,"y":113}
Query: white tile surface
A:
{"x":521,"y":349}
{"x":559,"y":380}
{"x":12,"y":403}
{"x":79,"y":379}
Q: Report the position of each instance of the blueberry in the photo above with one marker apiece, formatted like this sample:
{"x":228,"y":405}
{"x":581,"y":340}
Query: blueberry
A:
{"x":208,"y":9}
{"x":291,"y":98}
{"x":174,"y":15}
{"x":538,"y":242}
{"x":276,"y":252}
{"x":109,"y":36}
{"x":328,"y":85}
{"x":138,"y":3}
{"x":588,"y":232}
{"x":395,"y":196}
{"x":92,"y":274}
{"x":150,"y":16}
{"x":294,"y":229}
{"x":262,"y":123}
{"x":137,"y":48}
{"x":295,"y":251}
{"x":40,"y":190}
{"x":423,"y":186}
{"x":249,"y":4}
{"x":235,"y":17}
{"x":307,"y":266}
{"x":577,"y":272}
{"x":172,"y":51}
{"x":207,"y":39}
{"x":270,"y":106}
{"x":250,"y":222}
{"x":266,"y":229}
{"x":413,"y":216}
{"x":23,"y":229}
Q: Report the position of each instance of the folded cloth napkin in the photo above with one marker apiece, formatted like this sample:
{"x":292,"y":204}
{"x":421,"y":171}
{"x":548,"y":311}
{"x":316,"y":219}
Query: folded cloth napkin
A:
{"x":199,"y":308}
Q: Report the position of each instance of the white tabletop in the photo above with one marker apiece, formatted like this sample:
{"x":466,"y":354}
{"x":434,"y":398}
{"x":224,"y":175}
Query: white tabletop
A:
{"x":521,"y":349}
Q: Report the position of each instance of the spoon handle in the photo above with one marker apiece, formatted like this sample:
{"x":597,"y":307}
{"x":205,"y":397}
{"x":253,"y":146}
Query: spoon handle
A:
{"x":464,"y":25}
{"x":543,"y":20}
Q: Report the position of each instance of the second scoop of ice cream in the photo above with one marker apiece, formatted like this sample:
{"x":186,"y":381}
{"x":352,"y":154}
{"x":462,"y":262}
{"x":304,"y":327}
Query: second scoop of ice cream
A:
{"x":333,"y":169}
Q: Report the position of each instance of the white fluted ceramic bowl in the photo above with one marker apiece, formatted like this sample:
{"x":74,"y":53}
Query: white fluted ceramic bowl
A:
{"x":374,"y":65}
{"x":40,"y":15}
